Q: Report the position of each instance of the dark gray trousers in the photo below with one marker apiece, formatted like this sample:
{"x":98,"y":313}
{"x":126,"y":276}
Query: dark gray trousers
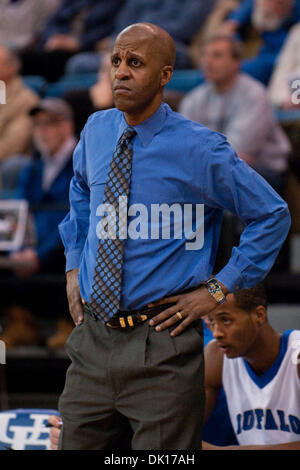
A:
{"x":134,"y":385}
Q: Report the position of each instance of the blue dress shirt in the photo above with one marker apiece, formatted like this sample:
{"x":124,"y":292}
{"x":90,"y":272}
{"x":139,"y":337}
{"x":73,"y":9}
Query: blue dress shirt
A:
{"x":175,"y":160}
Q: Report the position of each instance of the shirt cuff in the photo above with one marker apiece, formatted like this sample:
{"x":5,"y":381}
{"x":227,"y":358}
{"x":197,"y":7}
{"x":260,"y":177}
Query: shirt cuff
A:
{"x":230,"y":277}
{"x":73,"y":260}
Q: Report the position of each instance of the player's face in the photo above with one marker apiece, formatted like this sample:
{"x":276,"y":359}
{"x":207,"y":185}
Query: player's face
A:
{"x":135,"y":73}
{"x":235,"y":330}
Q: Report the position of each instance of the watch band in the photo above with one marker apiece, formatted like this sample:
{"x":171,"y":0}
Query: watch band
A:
{"x":215,"y":290}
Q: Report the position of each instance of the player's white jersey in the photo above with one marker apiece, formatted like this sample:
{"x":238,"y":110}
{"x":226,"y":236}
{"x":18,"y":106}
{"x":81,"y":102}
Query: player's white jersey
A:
{"x":265,"y":409}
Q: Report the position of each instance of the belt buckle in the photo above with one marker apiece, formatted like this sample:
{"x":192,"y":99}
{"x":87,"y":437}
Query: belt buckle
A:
{"x":127,"y":321}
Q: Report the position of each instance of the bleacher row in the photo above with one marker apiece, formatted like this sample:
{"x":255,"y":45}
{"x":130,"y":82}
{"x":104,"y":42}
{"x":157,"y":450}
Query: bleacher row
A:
{"x":182,"y":81}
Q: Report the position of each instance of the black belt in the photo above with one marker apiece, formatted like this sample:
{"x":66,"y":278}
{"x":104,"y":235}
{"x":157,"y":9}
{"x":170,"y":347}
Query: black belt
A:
{"x":129,"y":319}
{"x":132,"y":318}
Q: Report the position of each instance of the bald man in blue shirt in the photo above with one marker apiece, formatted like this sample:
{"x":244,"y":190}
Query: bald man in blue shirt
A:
{"x":137,"y":348}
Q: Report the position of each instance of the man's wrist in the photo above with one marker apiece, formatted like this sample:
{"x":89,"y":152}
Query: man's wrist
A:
{"x":72,"y":272}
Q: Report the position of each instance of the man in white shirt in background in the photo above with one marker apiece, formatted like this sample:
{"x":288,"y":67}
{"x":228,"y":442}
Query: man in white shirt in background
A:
{"x":237,"y":105}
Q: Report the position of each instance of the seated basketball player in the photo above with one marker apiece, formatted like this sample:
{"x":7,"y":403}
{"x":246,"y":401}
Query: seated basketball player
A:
{"x":259,"y":370}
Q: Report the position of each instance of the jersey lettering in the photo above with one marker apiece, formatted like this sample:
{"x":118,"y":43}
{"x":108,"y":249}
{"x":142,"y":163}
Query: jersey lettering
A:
{"x":266,"y":419}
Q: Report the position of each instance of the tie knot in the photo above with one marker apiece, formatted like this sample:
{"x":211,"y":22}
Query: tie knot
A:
{"x":127,"y":135}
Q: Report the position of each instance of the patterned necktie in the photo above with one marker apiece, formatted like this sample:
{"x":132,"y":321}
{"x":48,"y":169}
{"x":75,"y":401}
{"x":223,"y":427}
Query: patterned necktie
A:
{"x":105,"y":299}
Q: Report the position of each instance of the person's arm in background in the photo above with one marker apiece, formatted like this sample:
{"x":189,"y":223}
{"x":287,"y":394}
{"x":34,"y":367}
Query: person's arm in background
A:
{"x":99,"y":23}
{"x":46,"y":11}
{"x":239,"y":17}
{"x":74,"y":228}
{"x":183,"y":20}
{"x":60,"y":22}
{"x":213,"y":376}
{"x":217,"y":17}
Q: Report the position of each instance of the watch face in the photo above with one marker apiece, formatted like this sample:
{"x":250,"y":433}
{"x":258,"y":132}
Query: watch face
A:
{"x":213,"y":286}
{"x":215,"y":290}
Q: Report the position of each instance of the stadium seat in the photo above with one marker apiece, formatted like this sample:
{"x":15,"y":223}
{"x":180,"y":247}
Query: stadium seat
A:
{"x":182,"y":81}
{"x":36,"y":83}
{"x":185,"y":80}
{"x":288,"y":115}
{"x":70,"y":82}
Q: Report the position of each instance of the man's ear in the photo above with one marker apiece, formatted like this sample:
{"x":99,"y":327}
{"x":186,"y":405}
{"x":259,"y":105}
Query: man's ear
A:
{"x":166,"y":75}
{"x":260,"y":313}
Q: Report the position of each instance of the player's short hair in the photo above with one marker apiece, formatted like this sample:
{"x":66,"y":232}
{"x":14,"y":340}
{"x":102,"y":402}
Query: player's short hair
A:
{"x":248,"y":299}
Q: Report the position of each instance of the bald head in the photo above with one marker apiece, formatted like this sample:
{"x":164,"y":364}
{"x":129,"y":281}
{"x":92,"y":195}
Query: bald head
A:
{"x":162,"y":44}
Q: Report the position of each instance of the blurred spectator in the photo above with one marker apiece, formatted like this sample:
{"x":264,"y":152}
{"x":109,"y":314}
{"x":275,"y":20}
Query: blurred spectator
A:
{"x":76,"y":26}
{"x":47,"y":177}
{"x":287,"y":70}
{"x":236,"y":105}
{"x":273,"y":20}
{"x":44,"y":183}
{"x":15,"y":124}
{"x":181,"y":18}
{"x":22,"y":21}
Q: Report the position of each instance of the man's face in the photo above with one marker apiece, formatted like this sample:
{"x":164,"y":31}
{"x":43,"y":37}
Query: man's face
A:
{"x":218,"y":63}
{"x":234,"y":329}
{"x":135,"y":73}
{"x":49,"y":132}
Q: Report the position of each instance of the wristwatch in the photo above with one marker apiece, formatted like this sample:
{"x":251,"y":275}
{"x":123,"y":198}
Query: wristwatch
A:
{"x":214,"y":288}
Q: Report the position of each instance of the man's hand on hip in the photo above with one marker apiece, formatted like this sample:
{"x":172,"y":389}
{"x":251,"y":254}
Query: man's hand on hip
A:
{"x":74,"y":297}
{"x":187,"y":308}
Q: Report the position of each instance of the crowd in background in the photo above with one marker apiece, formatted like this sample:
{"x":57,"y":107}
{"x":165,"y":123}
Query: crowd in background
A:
{"x":248,"y":61}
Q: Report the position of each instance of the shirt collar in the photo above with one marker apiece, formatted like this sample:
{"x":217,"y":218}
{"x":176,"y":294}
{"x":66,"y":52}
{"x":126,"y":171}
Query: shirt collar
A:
{"x":147,"y":129}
